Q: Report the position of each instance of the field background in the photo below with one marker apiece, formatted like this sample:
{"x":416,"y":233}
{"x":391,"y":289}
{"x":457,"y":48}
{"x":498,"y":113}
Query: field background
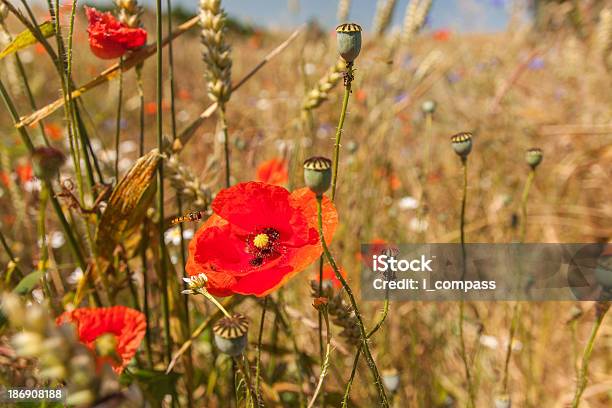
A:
{"x":546,"y":86}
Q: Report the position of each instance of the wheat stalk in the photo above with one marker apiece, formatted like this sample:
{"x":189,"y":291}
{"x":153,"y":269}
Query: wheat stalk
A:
{"x":414,"y":19}
{"x":129,"y":12}
{"x":343,"y":10}
{"x":320,"y":93}
{"x":384,"y":14}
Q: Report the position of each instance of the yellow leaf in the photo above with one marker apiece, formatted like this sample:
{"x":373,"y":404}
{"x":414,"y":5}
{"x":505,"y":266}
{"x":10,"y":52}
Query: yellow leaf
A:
{"x":26,"y":38}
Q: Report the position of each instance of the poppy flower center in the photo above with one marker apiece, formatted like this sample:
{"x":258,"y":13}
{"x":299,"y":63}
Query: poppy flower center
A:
{"x":261,"y":240}
{"x":262,"y":244}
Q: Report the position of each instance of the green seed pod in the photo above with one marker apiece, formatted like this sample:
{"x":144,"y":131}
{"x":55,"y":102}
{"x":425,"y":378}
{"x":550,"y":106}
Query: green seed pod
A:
{"x":47,"y":161}
{"x":462,"y":144}
{"x":317,"y":174}
{"x":349,"y":41}
{"x":428,"y":107}
{"x":534,"y":157}
{"x":231,"y":334}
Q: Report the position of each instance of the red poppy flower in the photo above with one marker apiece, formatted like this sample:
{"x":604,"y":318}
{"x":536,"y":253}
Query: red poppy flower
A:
{"x":109,"y":38}
{"x":127,"y":325}
{"x":24,"y":172}
{"x":54,"y":131}
{"x":330,"y":275}
{"x":259,"y":236}
{"x":442,"y":35}
{"x":5,"y":179}
{"x":273,"y":171}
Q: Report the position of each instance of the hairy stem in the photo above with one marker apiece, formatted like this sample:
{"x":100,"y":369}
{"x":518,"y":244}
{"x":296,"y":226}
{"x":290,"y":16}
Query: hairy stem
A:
{"x":586,"y":357}
{"x":364,"y":337}
{"x":259,"y":343}
{"x":463,"y":352}
{"x":345,"y":100}
{"x":163,"y":267}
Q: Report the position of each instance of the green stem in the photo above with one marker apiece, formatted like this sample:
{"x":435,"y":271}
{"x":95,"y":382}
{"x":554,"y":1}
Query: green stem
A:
{"x":215,"y":302}
{"x":140,"y":88}
{"x":364,"y":338}
{"x":42,"y":233}
{"x":118,"y":123}
{"x":464,"y":357}
{"x":320,"y":327}
{"x":7,"y":248}
{"x":56,"y":205}
{"x":512,"y":332}
{"x":145,"y":284}
{"x":525,"y":196}
{"x":163,"y":267}
{"x":259,"y":343}
{"x":345,"y":100}
{"x":26,"y":85}
{"x":516,"y":309}
{"x":223,"y":121}
{"x":325,"y":364}
{"x":586,"y":357}
{"x":349,"y":384}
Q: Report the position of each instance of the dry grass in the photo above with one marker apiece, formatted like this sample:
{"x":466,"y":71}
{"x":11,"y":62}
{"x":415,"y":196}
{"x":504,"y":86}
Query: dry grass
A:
{"x":515,"y":90}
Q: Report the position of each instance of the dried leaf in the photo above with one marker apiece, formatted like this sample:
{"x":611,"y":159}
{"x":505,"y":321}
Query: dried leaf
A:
{"x":127,"y":204}
{"x":26,"y":38}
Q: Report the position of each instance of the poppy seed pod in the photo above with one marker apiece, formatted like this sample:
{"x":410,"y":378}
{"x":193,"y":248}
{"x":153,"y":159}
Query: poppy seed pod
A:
{"x":534,"y":157}
{"x":46,"y":162}
{"x":231,"y":334}
{"x":317,"y":174}
{"x":462,"y":143}
{"x":428,"y":107}
{"x":349,"y":41}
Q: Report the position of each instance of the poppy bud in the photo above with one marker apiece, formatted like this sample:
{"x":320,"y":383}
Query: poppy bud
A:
{"x":534,"y":157}
{"x":391,"y":379}
{"x":47,"y":162}
{"x":231,"y":334}
{"x":462,"y":144}
{"x":428,"y":107}
{"x":349,"y":41}
{"x":317,"y":174}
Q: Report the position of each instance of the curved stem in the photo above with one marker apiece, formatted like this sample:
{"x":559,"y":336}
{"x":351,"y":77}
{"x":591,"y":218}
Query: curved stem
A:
{"x":349,"y":384}
{"x":364,"y":337}
{"x":163,"y":267}
{"x":586,"y":357}
{"x":259,"y":342}
{"x":513,"y":326}
{"x":524,"y":198}
{"x":215,"y":302}
{"x":345,"y":100}
{"x":325,"y":364}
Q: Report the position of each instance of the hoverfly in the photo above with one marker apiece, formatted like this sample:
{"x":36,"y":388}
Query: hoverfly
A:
{"x":191,"y":217}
